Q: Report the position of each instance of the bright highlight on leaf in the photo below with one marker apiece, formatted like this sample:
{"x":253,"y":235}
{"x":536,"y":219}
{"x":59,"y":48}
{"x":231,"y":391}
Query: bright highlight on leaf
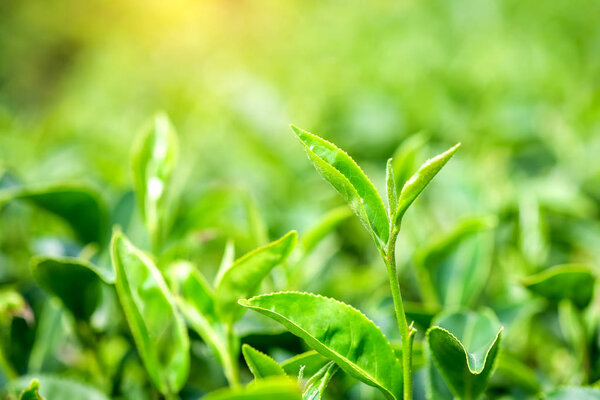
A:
{"x":338,"y":332}
{"x":279,"y":388}
{"x":260,"y":364}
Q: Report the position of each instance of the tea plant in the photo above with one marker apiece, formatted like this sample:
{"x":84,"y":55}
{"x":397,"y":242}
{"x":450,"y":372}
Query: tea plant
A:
{"x":147,"y":322}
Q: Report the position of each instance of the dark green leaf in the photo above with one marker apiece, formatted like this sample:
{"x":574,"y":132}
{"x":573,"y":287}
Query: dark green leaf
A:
{"x":572,"y":282}
{"x":339,"y":332}
{"x":260,"y":364}
{"x":464,"y":347}
{"x":31,"y":393}
{"x":350,"y":181}
{"x":415,"y":185}
{"x":74,"y":281}
{"x":159,"y":331}
{"x":79,"y":206}
{"x":244,"y":277}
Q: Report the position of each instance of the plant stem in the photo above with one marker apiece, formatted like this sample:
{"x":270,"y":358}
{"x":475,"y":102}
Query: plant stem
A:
{"x":230,"y":364}
{"x":406,"y":331}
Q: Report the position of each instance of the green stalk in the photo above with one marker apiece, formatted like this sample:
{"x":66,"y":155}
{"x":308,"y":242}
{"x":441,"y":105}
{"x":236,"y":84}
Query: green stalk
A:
{"x":407,"y":332}
{"x":230,"y":364}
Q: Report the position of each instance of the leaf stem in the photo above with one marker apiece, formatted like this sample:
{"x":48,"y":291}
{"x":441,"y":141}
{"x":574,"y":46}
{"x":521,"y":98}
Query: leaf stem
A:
{"x":230,"y":364}
{"x":407,"y":332}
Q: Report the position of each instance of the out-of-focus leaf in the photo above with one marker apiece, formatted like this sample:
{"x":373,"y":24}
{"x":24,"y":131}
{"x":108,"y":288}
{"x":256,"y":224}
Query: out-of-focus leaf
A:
{"x":74,"y":281}
{"x":31,"y":393}
{"x":158,"y":329}
{"x":315,"y":387}
{"x":323,"y":227}
{"x":464,"y":347}
{"x":79,"y":206}
{"x":244,"y":277}
{"x":258,"y":227}
{"x":279,"y":388}
{"x":572,"y":282}
{"x":309,"y":363}
{"x":260,"y":364}
{"x":406,"y":158}
{"x":517,"y":374}
{"x":574,"y":393}
{"x":56,"y":388}
{"x":339,"y":332}
{"x":418,"y":354}
{"x":11,"y":303}
{"x":340,"y":170}
{"x":415,"y":185}
{"x":226,"y":261}
{"x":153,"y":161}
{"x":533,"y":235}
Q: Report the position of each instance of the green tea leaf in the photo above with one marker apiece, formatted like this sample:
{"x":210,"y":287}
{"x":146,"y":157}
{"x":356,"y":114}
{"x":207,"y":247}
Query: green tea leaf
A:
{"x":309,"y":362}
{"x":390,"y":186}
{"x":415,"y":185}
{"x":153,"y":162}
{"x":74,"y":281}
{"x":464,"y":347}
{"x":55,"y":388}
{"x":279,"y":388}
{"x":336,"y":167}
{"x":572,"y":282}
{"x":339,"y":332}
{"x":574,"y":393}
{"x":31,"y":393}
{"x":80,"y":206}
{"x":244,"y":277}
{"x":157,"y":328}
{"x":310,"y":239}
{"x":315,"y":387}
{"x":260,"y":364}
{"x":405,"y":159}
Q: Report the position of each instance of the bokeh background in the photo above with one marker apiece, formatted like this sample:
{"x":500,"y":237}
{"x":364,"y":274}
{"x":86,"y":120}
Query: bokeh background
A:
{"x":517,"y":82}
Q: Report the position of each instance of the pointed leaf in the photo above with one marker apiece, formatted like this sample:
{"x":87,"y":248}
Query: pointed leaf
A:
{"x":574,"y":393}
{"x":31,"y":393}
{"x":572,"y":282}
{"x":336,"y":167}
{"x":339,"y":332}
{"x":415,"y":185}
{"x":153,"y":161}
{"x":272,"y":388}
{"x":315,"y":387}
{"x":157,"y":328}
{"x":464,"y":347}
{"x":405,"y":159}
{"x":74,"y":281}
{"x":390,"y":186}
{"x":260,"y":364}
{"x":80,"y":206}
{"x":244,"y":277}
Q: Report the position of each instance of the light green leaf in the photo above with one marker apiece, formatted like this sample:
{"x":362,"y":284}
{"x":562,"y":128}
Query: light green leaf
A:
{"x":464,"y":347}
{"x":309,"y":362}
{"x":79,"y":206}
{"x":153,"y":162}
{"x":310,"y":239}
{"x":157,"y":328}
{"x":339,"y":332}
{"x":55,"y":388}
{"x":244,"y":277}
{"x":315,"y":387}
{"x":336,"y":167}
{"x":574,"y":393}
{"x":415,"y":185}
{"x":226,"y":261}
{"x":260,"y":364}
{"x":279,"y":388}
{"x":405,"y":159}
{"x":74,"y":281}
{"x":31,"y":393}
{"x":390,"y":186}
{"x":572,"y":282}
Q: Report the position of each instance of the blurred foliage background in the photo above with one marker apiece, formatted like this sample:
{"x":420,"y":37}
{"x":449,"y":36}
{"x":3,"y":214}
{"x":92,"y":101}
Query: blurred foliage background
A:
{"x":516,"y":82}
